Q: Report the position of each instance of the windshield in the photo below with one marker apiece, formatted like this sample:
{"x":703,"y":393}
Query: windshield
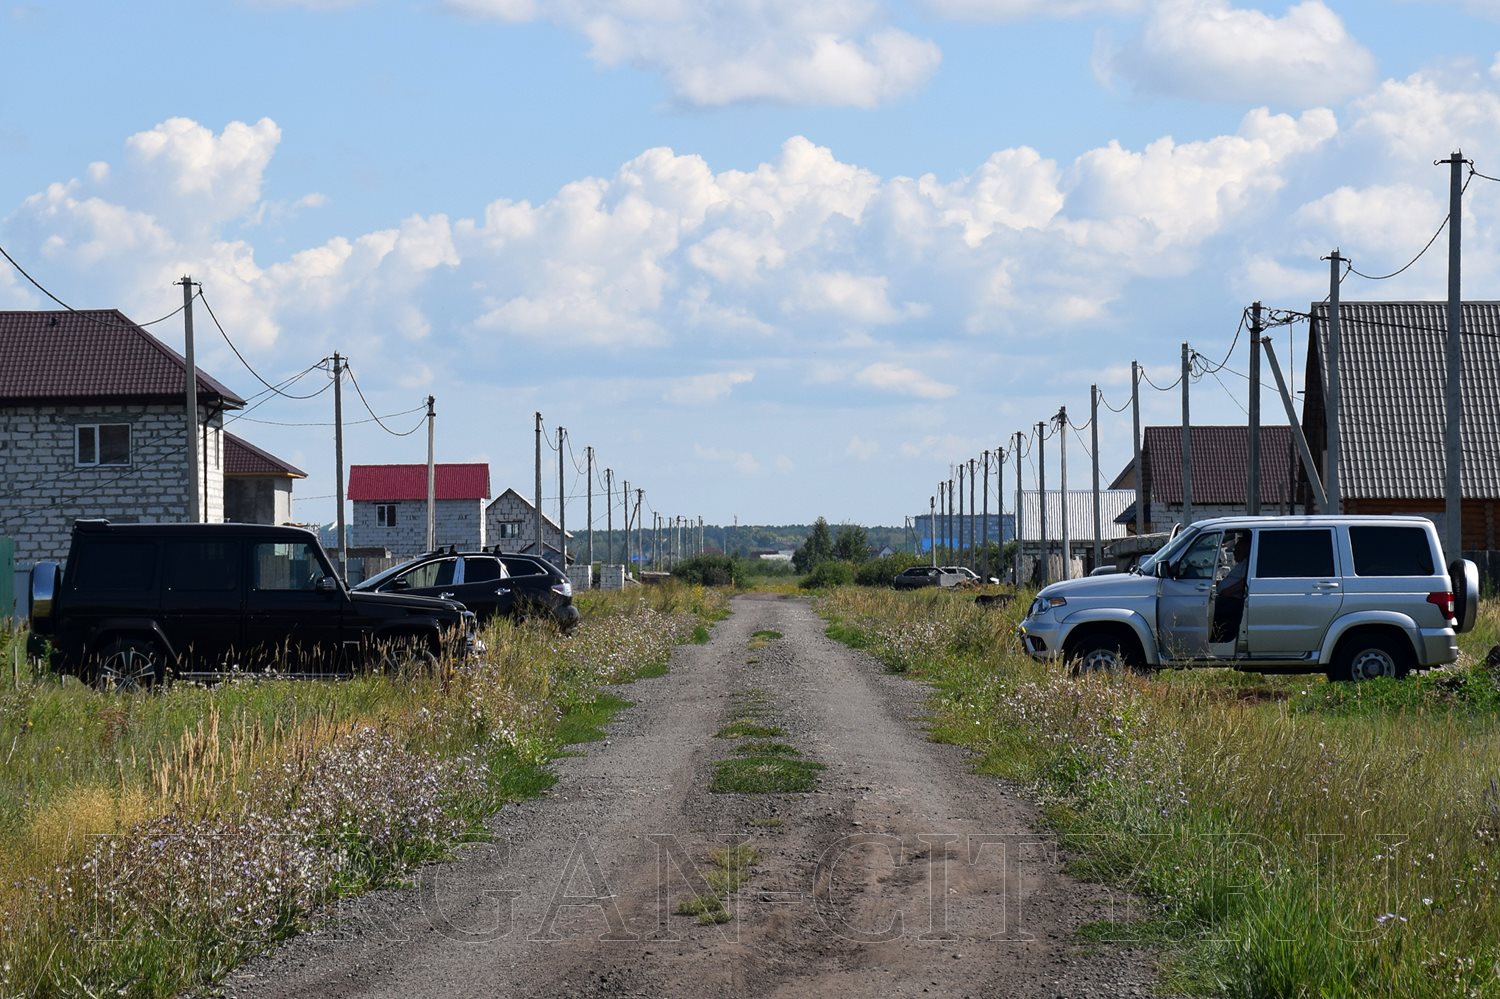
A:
{"x":380,"y":577}
{"x":1147,"y":565}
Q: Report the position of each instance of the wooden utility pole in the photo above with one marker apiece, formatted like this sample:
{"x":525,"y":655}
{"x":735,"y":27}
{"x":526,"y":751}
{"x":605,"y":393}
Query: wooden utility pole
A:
{"x":1135,"y":418}
{"x":431,"y":481}
{"x":1094,"y":441}
{"x":541,"y":551}
{"x":1187,"y":441}
{"x":1453,"y":479}
{"x":1252,"y":480}
{"x":338,"y":459}
{"x":194,"y":497}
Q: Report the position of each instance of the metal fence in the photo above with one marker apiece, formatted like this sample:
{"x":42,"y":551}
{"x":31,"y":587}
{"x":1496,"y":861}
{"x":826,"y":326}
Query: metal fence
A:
{"x":12,"y":584}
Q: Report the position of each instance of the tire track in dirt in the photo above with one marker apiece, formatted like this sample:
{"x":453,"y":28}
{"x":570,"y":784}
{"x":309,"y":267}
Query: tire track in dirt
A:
{"x":901,"y":874}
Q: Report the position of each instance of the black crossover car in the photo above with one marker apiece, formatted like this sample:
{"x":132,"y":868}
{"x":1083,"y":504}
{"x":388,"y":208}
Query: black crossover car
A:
{"x":488,"y":583}
{"x":139,"y":601}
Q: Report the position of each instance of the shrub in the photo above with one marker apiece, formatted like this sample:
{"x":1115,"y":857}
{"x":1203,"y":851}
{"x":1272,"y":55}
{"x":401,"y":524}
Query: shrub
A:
{"x":829,"y":574}
{"x":880,"y":571}
{"x":710,"y":570}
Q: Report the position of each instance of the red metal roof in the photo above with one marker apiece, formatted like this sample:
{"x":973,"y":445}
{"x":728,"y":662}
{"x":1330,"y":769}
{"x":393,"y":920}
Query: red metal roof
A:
{"x":243,"y":458}
{"x":85,"y":355}
{"x":409,"y":482}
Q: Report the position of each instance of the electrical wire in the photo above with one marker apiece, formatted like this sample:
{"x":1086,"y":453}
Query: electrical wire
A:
{"x":246,"y":363}
{"x":329,"y":423}
{"x":1244,"y":317}
{"x":1482,"y":176}
{"x":1446,"y":219}
{"x":82,"y":314}
{"x":1147,"y":379}
{"x":360,"y":392}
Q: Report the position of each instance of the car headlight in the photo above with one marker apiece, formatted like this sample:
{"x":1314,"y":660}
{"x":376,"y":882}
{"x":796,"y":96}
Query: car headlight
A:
{"x":1043,"y":604}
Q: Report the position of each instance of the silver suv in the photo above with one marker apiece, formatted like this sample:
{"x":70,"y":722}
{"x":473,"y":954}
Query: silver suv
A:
{"x":1355,"y":597}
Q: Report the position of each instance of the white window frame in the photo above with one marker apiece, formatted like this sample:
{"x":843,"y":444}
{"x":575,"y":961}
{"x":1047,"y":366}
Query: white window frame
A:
{"x":509,"y":529}
{"x":97,"y":428}
{"x":385,"y":514}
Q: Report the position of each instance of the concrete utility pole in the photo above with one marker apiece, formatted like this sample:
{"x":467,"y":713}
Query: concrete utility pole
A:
{"x":1094,"y":441}
{"x":1187,"y":441}
{"x":589,"y":457}
{"x":984,"y":522}
{"x":932,"y":527}
{"x":1308,"y":465}
{"x":541,"y":551}
{"x":640,"y":529}
{"x":1135,"y":418}
{"x":609,"y":514}
{"x":190,"y":386}
{"x":431,"y":481}
{"x":1252,"y":481}
{"x":1067,"y":526}
{"x":338,"y":459}
{"x":1331,"y":402}
{"x":1000,"y":507}
{"x":971,"y":512}
{"x":1041,"y":489}
{"x":1016,"y":566}
{"x":625,"y":509}
{"x":960,"y":558}
{"x":562,"y":506}
{"x":1453,"y":479}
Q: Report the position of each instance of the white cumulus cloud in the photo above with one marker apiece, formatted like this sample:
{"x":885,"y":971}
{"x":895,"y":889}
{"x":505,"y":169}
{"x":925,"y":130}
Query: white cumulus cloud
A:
{"x":741,"y":461}
{"x":1005,"y":10}
{"x":697,"y":390}
{"x":888,"y":377}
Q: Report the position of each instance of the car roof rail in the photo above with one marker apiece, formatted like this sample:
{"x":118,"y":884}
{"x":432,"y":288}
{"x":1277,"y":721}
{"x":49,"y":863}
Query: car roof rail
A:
{"x":90,"y":524}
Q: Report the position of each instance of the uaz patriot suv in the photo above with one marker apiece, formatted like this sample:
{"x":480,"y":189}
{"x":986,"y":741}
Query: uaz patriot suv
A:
{"x":1355,"y":597}
{"x":138,"y":601}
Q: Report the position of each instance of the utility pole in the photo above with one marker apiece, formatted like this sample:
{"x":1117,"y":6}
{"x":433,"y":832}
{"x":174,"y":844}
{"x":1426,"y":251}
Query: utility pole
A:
{"x":625,"y":509}
{"x":609,"y":514}
{"x":338,"y":459}
{"x":971,"y":512}
{"x":942,"y":514}
{"x":984,"y":522}
{"x":1041,"y":489}
{"x":1308,"y":465}
{"x":190,"y":386}
{"x":562,"y":507}
{"x":431,"y":481}
{"x":960,"y":558}
{"x":1135,"y":417}
{"x":1187,"y":441}
{"x":640,"y":529}
{"x":1017,"y":564}
{"x":1331,"y":402}
{"x":952,"y":552}
{"x":932,"y":527}
{"x":541,"y":551}
{"x":1094,"y":441}
{"x":589,"y":457}
{"x":1453,"y":480}
{"x":1067,"y":527}
{"x":1253,"y":473}
{"x":1000,"y":507}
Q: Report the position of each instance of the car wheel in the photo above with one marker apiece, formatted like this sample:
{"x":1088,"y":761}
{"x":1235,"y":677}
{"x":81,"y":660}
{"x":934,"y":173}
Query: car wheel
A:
{"x":406,"y":652}
{"x":130,"y":664}
{"x":1101,"y":652}
{"x":1370,"y":655}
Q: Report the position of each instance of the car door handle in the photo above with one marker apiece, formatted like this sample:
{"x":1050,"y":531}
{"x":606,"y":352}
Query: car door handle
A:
{"x":1326,"y":585}
{"x":502,"y":591}
{"x":446,"y":596}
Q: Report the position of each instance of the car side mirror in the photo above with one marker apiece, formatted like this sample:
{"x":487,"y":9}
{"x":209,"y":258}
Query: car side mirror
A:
{"x":1164,"y":570}
{"x":327,"y":584}
{"x":399,"y":583}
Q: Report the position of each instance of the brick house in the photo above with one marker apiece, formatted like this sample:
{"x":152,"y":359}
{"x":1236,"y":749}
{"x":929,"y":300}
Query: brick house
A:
{"x":1392,"y":381}
{"x":390,"y":506}
{"x":257,"y":484}
{"x":510,"y":525}
{"x":92,"y":425}
{"x":1221,"y":487}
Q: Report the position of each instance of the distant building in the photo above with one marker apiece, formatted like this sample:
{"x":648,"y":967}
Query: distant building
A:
{"x":390,"y":506}
{"x":1221,"y":487}
{"x":257,"y":484}
{"x":997,"y":524}
{"x":510,"y":526}
{"x":1080,"y":518}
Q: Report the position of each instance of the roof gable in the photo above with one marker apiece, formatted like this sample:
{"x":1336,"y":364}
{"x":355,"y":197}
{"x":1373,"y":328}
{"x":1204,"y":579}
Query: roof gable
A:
{"x":1221,"y":463}
{"x":243,"y":458}
{"x":1392,"y":379}
{"x":511,"y":494}
{"x":394,"y":483}
{"x":89,"y":355}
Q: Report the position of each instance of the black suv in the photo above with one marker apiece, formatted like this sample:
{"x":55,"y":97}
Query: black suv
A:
{"x":203,"y":600}
{"x":489,"y":583}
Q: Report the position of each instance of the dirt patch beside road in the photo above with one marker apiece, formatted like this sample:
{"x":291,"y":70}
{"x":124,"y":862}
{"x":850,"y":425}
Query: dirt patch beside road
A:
{"x":901,"y":873}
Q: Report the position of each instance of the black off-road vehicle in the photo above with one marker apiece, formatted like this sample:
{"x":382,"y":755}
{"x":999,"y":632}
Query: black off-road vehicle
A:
{"x":139,"y":602}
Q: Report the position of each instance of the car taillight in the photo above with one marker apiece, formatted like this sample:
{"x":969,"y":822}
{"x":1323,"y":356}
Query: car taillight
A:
{"x":1444,"y":602}
{"x":565,"y":588}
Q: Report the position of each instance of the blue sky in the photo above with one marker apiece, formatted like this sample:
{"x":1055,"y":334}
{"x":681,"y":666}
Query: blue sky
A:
{"x":771,"y":260}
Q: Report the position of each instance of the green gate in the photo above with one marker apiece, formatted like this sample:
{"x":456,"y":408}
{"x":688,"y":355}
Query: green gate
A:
{"x":8,"y":581}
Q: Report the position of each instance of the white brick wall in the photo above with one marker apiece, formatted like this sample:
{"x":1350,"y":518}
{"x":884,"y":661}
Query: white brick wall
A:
{"x":43,"y":490}
{"x":455,"y":522}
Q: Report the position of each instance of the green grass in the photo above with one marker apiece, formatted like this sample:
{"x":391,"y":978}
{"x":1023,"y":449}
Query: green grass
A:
{"x":701,"y":635}
{"x":762,"y":638}
{"x":586,"y":722}
{"x":708,"y":909}
{"x":764,"y":774}
{"x":729,"y":869}
{"x":761,"y":748}
{"x":1285,"y":835}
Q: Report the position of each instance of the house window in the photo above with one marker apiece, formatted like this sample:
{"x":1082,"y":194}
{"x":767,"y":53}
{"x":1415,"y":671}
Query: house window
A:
{"x":385,"y":515}
{"x":101,"y":444}
{"x":510,"y":529}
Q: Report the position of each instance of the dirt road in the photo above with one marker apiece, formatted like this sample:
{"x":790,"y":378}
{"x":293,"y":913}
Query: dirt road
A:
{"x":901,"y":874}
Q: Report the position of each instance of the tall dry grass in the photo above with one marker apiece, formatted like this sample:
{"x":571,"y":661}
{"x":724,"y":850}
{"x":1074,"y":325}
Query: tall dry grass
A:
{"x":1289,"y":836}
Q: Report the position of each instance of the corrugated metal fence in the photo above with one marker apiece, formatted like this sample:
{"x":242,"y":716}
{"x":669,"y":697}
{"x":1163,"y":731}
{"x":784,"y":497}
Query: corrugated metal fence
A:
{"x":11,"y":586}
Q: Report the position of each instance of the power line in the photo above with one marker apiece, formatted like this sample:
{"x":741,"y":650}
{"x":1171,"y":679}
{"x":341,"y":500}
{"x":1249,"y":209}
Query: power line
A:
{"x":1245,"y":315}
{"x":1159,"y":388}
{"x":1446,"y":219}
{"x":79,"y":312}
{"x":246,"y":363}
{"x":329,"y":423}
{"x":360,"y":392}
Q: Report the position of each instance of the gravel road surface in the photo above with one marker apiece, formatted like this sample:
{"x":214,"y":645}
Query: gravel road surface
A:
{"x":901,"y":874}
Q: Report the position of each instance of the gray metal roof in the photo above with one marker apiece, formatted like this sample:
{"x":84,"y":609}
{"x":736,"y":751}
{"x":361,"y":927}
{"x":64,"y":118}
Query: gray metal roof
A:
{"x":1112,"y":502}
{"x":1392,"y":380}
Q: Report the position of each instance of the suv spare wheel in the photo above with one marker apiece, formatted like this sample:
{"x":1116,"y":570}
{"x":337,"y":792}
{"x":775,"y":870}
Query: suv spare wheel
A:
{"x":43,"y":590}
{"x":1465,"y":577}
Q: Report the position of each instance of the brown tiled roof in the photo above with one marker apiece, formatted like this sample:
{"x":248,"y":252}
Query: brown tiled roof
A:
{"x":93,"y":354}
{"x":1221,"y":459}
{"x":243,"y":458}
{"x":409,"y":482}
